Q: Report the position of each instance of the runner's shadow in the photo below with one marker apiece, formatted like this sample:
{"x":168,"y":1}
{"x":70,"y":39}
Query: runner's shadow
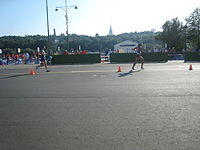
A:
{"x":128,"y":73}
{"x":14,"y":76}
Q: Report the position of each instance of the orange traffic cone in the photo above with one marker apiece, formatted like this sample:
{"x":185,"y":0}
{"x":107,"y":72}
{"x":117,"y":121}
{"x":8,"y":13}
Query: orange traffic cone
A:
{"x":119,"y":69}
{"x":32,"y":72}
{"x":190,"y":68}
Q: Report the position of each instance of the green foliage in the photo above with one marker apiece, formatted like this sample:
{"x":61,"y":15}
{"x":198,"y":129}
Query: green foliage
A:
{"x":172,"y":34}
{"x":193,"y":24}
{"x":176,"y":34}
{"x":89,"y":43}
{"x":192,"y":56}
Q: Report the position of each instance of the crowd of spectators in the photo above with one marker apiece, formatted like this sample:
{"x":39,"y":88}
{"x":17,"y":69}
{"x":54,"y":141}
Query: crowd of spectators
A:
{"x":24,"y":58}
{"x":31,"y":58}
{"x":75,"y":53}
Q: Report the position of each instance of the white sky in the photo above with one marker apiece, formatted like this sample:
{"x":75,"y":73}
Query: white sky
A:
{"x":23,"y":17}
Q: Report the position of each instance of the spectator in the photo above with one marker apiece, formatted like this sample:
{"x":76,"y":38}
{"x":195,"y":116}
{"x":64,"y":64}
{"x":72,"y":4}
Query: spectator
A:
{"x":66,"y":52}
{"x":84,"y":52}
{"x":26,"y":57}
{"x":77,"y":52}
{"x":49,"y":58}
{"x":7,"y":58}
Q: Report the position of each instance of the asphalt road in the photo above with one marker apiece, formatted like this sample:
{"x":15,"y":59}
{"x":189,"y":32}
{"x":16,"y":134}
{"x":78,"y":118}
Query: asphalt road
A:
{"x":94,"y":107}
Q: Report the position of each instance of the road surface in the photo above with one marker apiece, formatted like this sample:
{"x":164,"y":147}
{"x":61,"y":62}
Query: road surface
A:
{"x":94,"y":107}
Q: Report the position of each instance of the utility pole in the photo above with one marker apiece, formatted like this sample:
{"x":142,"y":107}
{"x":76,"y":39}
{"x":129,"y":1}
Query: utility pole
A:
{"x":47,"y":12}
{"x":198,"y":44}
{"x":65,"y":8}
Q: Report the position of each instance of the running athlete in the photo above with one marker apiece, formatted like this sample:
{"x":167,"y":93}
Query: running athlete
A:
{"x":43,"y":61}
{"x":139,"y":57}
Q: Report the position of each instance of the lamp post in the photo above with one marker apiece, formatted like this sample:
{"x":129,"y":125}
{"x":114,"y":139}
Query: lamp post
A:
{"x":65,"y":9}
{"x":47,"y":12}
{"x":198,"y":22}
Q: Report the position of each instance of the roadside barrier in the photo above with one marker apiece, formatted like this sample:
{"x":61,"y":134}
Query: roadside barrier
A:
{"x":192,"y":56}
{"x":76,"y":59}
{"x":130,"y":57}
{"x":105,"y":59}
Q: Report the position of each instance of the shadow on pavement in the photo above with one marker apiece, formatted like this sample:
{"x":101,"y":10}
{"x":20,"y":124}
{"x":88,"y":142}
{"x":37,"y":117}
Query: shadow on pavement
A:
{"x":14,"y":76}
{"x":128,"y":73}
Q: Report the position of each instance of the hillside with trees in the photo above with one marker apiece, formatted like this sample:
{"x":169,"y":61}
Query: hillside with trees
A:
{"x":89,"y":43}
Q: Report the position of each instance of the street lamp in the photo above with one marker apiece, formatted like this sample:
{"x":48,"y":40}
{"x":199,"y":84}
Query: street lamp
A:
{"x":47,"y":13}
{"x":198,"y":22}
{"x":65,"y":9}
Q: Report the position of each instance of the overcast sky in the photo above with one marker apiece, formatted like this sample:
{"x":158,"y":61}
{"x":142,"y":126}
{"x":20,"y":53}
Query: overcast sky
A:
{"x":28,"y":17}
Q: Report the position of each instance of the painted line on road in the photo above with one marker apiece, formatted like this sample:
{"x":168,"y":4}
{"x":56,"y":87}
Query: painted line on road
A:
{"x":60,"y":72}
{"x":78,"y":71}
{"x":92,"y":71}
{"x":95,"y":71}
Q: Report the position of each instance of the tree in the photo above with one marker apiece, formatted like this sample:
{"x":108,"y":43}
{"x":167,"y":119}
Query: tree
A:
{"x":193,"y":23}
{"x":89,"y":43}
{"x":172,"y":34}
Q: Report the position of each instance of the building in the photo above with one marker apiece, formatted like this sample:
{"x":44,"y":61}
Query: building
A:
{"x":125,"y":47}
{"x":110,"y":31}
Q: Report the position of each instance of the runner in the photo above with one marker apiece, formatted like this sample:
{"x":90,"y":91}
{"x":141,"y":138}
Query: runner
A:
{"x":43,"y":61}
{"x":138,"y":51}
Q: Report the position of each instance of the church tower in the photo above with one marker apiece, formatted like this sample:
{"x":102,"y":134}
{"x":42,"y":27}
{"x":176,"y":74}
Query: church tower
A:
{"x":110,"y":31}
